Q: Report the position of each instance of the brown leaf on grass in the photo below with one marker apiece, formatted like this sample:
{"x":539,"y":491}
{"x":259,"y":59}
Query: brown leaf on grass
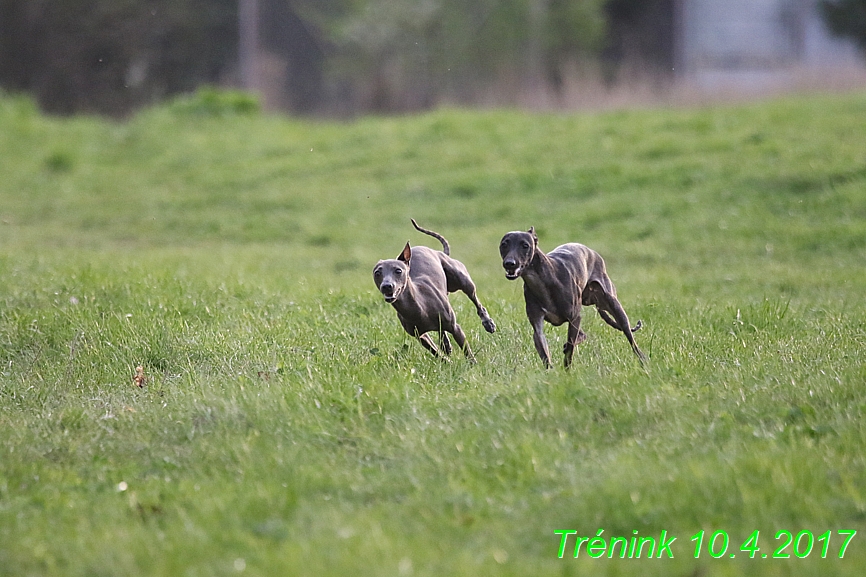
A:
{"x":139,"y":379}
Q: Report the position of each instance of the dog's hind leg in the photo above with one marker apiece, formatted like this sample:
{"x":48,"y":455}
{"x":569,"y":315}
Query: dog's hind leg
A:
{"x":486,"y":321}
{"x":607,"y":303}
{"x":459,"y":280}
{"x":460,"y":339}
{"x":609,"y":320}
{"x":594,"y":294}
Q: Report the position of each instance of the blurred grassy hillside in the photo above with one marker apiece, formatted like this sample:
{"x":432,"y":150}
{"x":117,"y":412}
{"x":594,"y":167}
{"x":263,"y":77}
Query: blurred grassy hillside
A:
{"x":675,"y":196}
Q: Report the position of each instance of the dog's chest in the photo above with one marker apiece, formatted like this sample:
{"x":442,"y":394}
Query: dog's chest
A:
{"x":546,"y":298}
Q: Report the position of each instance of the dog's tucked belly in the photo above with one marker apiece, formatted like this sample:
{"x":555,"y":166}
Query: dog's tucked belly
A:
{"x":553,"y":318}
{"x":413,"y":323}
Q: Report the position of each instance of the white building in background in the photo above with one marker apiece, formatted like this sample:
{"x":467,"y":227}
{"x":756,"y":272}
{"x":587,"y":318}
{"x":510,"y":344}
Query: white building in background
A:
{"x":757,"y":44}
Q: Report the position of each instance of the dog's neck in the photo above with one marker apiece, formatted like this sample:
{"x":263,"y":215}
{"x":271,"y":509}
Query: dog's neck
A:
{"x":540,"y":274}
{"x":406,"y":300}
{"x":541,"y":264}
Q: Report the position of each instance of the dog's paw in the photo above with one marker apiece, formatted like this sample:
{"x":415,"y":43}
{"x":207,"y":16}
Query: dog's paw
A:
{"x":489,"y":325}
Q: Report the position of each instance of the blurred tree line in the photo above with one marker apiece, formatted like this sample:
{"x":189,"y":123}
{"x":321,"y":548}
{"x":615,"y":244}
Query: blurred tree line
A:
{"x":846,"y":18}
{"x":329,"y":56}
{"x":110,"y":56}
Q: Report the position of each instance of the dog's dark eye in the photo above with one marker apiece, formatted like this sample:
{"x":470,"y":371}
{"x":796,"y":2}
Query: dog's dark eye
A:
{"x":398,"y":271}
{"x":525,"y":244}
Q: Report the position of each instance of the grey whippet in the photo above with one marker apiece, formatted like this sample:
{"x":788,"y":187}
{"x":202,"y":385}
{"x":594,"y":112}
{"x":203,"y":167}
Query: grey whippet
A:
{"x":556,"y":284}
{"x":417,"y":284}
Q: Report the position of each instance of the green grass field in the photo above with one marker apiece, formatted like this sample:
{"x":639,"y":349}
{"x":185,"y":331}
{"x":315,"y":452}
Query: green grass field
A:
{"x":288,"y":426}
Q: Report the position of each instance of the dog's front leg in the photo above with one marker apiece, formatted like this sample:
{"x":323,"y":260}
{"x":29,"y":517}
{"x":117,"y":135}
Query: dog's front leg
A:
{"x":428,"y":344}
{"x":444,"y":342}
{"x":536,"y":319}
{"x":574,"y":338}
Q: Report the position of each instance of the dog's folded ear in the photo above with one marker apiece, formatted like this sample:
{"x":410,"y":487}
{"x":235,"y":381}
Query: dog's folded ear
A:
{"x":532,"y":232}
{"x":406,"y":255}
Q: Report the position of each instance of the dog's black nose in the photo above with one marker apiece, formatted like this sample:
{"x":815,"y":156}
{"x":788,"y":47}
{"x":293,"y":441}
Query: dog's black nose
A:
{"x":508,"y":263}
{"x":386,"y":288}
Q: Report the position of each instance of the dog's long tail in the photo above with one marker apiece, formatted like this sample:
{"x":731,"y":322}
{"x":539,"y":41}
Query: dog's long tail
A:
{"x":445,"y":247}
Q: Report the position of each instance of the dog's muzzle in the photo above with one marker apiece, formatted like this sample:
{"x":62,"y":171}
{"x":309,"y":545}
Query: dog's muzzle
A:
{"x":387,"y":291}
{"x":512,"y":271}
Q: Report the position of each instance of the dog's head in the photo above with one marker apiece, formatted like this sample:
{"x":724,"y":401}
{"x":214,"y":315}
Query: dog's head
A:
{"x":517,"y":250}
{"x":391,"y":276}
